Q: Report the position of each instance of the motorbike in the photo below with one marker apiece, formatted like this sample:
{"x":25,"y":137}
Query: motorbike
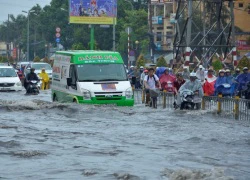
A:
{"x":154,"y":93}
{"x":227,"y":90}
{"x":32,"y":88}
{"x":168,"y":86}
{"x":245,"y":93}
{"x":190,"y":100}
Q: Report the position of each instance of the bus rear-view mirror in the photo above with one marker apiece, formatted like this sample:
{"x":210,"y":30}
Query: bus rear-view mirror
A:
{"x":69,"y":81}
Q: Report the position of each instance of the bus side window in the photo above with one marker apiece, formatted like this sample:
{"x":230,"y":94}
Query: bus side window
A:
{"x":72,"y":74}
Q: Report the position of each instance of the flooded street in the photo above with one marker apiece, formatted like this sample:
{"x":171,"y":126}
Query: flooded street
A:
{"x":44,"y":140}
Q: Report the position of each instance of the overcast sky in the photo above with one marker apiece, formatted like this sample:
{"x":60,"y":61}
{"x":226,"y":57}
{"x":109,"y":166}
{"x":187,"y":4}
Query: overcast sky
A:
{"x":16,"y":7}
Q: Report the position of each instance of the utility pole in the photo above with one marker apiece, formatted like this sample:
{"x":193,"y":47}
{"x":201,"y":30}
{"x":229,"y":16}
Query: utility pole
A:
{"x":7,"y":44}
{"x":151,"y":31}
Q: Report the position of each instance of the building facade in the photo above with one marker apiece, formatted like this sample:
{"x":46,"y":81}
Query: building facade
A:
{"x":163,"y":20}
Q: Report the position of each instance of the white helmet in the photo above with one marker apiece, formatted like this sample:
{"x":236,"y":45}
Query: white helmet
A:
{"x":192,"y":74}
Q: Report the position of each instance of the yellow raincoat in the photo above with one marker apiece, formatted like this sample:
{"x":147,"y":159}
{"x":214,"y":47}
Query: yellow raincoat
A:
{"x":45,"y":80}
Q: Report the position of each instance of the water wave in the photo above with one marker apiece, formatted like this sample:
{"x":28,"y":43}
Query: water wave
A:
{"x":28,"y":154}
{"x":189,"y":174}
{"x":30,"y":105}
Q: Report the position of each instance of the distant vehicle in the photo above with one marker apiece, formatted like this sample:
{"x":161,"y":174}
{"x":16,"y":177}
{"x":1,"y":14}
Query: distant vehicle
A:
{"x":9,"y":80}
{"x":38,"y":68}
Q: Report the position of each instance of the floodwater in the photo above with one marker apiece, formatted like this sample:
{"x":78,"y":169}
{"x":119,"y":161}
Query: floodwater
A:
{"x":44,"y":140}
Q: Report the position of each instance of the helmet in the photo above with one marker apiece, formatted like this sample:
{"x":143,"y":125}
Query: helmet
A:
{"x":245,"y":68}
{"x":141,"y":67}
{"x":210,"y":70}
{"x":228,"y":70}
{"x":200,"y":66}
{"x":222,"y":71}
{"x":145,"y":70}
{"x":237,"y":69}
{"x":192,"y":74}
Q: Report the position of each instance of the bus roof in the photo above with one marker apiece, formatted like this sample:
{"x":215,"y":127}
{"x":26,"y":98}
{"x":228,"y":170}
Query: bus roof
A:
{"x":80,"y":52}
{"x":90,"y":56}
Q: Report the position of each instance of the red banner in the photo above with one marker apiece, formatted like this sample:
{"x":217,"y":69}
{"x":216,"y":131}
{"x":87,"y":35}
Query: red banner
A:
{"x":14,"y":53}
{"x":242,"y":45}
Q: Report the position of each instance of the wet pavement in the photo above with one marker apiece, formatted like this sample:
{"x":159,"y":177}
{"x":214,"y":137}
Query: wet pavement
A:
{"x":44,"y":140}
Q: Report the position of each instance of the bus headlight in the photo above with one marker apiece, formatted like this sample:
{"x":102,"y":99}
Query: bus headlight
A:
{"x":129,"y":93}
{"x":86,"y":94}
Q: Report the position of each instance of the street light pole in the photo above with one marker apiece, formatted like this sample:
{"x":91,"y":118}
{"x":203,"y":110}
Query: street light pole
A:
{"x":28,"y":33}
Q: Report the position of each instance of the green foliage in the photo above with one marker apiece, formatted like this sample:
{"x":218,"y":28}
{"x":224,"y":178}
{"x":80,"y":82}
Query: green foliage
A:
{"x":46,"y":60}
{"x":161,"y":62}
{"x":36,"y":59}
{"x":3,"y":59}
{"x":244,"y":62}
{"x":217,"y":65}
{"x":140,"y":61}
{"x":78,"y":46}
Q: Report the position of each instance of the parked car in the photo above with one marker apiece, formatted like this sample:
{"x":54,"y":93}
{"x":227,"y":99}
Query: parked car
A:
{"x":9,"y":80}
{"x":38,"y":68}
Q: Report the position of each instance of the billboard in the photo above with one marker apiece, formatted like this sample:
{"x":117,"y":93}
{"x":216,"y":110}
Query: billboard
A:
{"x":92,"y":11}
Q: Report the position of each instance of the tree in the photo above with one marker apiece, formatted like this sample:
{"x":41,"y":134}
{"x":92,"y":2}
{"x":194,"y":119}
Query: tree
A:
{"x":78,"y":46}
{"x":140,"y":61}
{"x":244,"y":62}
{"x":161,"y":62}
{"x":217,"y":64}
{"x":36,"y":59}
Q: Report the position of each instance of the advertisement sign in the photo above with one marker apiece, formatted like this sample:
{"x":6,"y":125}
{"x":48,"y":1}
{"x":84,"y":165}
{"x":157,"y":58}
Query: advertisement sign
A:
{"x":242,"y":45}
{"x":172,"y":18}
{"x":92,"y":11}
{"x":157,"y":20}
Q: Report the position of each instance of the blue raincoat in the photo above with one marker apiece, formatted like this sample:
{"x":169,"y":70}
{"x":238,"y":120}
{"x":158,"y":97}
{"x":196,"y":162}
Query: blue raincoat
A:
{"x":160,"y":71}
{"x":224,"y":85}
{"x":242,"y":80}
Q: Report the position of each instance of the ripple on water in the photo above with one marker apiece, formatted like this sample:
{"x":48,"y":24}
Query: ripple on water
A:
{"x":28,"y":154}
{"x":9,"y":144}
{"x":189,"y":174}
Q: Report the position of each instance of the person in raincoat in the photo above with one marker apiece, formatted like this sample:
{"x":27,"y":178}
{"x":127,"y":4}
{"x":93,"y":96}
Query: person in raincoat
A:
{"x":243,"y":79}
{"x":200,"y":73}
{"x":185,"y":73}
{"x":237,"y":73}
{"x":223,"y":85}
{"x":167,"y":81}
{"x":229,"y":76}
{"x":45,"y":79}
{"x":208,"y":86}
{"x":194,"y":85}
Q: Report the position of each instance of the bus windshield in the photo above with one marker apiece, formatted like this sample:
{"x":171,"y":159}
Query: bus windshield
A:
{"x":101,"y":72}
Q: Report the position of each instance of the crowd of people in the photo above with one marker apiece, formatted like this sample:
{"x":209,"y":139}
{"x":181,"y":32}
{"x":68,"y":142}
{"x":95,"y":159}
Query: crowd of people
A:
{"x":201,"y":82}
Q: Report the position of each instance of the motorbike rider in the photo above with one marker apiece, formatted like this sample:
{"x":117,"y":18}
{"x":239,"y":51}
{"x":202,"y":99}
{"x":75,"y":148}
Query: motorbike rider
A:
{"x":229,"y":76}
{"x":167,"y":81}
{"x":243,"y":79}
{"x":178,"y":82}
{"x":185,"y":73}
{"x":193,"y":85}
{"x":208,"y":86}
{"x":237,"y":72}
{"x":145,"y":72}
{"x":30,"y":77}
{"x":151,"y":81}
{"x":200,"y":73}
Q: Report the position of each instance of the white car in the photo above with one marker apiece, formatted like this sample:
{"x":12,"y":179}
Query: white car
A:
{"x":9,"y":80}
{"x":38,"y":68}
